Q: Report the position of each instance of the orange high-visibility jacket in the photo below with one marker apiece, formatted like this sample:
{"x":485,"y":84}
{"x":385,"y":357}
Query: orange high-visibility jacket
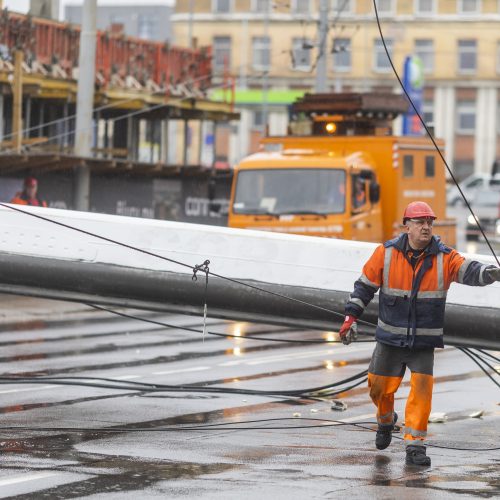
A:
{"x":412,"y":300}
{"x":22,"y":199}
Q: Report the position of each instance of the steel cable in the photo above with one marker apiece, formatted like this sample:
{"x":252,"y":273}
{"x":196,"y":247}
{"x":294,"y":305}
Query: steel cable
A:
{"x":430,"y":134}
{"x":217,"y":334}
{"x":478,"y":363}
{"x":106,"y":383}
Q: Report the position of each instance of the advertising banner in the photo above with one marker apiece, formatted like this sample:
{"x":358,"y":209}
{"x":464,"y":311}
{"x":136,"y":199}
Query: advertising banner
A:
{"x":413,"y":81}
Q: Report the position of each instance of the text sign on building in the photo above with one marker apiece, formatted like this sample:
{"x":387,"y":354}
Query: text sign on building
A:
{"x":413,"y":81}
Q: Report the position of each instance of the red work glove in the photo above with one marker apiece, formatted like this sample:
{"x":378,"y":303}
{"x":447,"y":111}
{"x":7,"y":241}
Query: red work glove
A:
{"x":349,"y":330}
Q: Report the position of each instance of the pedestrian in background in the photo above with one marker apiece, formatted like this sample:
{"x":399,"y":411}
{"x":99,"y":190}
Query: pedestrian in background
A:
{"x":413,"y":273}
{"x":28,"y":196}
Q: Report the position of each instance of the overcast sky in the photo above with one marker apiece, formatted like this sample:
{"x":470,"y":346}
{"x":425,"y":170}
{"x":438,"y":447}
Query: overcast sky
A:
{"x":23,"y":5}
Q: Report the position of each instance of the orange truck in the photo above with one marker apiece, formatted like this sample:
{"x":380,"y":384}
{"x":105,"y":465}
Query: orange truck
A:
{"x":340,"y":173}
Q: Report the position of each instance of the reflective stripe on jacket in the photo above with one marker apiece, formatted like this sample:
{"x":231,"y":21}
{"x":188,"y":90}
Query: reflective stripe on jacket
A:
{"x":412,"y":300}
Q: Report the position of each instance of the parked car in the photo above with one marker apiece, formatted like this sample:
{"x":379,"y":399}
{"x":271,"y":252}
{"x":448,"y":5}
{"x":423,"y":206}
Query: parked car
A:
{"x":470,"y":186}
{"x":486,"y":207}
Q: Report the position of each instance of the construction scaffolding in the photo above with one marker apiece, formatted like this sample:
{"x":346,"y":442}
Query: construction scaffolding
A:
{"x":141,"y":87}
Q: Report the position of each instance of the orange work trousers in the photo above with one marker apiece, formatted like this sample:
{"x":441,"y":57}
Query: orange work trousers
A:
{"x":387,"y":367}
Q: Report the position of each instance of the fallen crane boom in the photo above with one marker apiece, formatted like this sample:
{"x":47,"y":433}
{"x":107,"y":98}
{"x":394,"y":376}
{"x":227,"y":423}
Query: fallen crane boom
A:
{"x":39,"y":258}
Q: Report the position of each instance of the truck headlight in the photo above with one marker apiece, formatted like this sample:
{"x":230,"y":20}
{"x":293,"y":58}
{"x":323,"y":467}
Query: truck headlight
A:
{"x":498,"y":227}
{"x":471,"y":219}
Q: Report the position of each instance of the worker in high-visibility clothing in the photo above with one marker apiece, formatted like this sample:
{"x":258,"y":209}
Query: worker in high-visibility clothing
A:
{"x":413,"y":273}
{"x":29,"y":194}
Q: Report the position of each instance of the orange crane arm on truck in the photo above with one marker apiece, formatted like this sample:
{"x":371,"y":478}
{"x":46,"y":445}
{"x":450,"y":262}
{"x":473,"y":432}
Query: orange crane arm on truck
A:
{"x":331,"y":182}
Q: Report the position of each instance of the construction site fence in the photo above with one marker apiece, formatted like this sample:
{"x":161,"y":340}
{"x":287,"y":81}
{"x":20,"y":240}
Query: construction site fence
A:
{"x":160,"y":66}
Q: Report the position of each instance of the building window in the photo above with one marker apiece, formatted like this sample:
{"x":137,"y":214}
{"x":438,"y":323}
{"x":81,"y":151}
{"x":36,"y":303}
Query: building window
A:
{"x":428,"y":113}
{"x":498,"y":118}
{"x":341,"y":54}
{"x":301,"y":6}
{"x":222,"y":53}
{"x":467,"y":56}
{"x":380,"y":60}
{"x":466,"y":117}
{"x":430,"y":166}
{"x":385,"y":7}
{"x":261,"y":6}
{"x":261,"y":53}
{"x":407,"y":166}
{"x":146,"y":27}
{"x":301,"y":54}
{"x":116,"y":19}
{"x":469,"y":6}
{"x":463,"y":169}
{"x":342,"y":7}
{"x":498,"y":57}
{"x":425,"y":7}
{"x":258,"y":119}
{"x":222,"y":6}
{"x":425,"y":50}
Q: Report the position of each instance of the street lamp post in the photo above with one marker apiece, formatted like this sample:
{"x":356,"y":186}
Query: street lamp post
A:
{"x":321,"y":66}
{"x":85,"y":103}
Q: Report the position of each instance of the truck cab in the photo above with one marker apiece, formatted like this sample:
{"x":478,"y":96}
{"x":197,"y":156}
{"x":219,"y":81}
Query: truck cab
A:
{"x":307,"y":191}
{"x":339,"y":173}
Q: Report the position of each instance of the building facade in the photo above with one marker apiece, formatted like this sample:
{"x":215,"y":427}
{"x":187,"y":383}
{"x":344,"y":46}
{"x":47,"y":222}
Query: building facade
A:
{"x":149,"y":20}
{"x":271,"y":48}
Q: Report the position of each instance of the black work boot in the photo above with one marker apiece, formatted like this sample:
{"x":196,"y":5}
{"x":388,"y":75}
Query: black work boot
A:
{"x":384,"y":434}
{"x":415,"y":455}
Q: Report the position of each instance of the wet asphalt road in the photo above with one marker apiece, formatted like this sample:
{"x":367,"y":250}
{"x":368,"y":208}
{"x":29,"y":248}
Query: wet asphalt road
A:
{"x":165,"y":461}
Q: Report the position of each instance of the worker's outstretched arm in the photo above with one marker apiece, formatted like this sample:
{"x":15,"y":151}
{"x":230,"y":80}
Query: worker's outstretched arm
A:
{"x":364,"y":289}
{"x":367,"y":284}
{"x":471,"y":272}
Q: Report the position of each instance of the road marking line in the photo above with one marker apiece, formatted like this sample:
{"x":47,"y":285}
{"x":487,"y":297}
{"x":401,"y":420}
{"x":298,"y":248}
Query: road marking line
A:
{"x":185,"y":370}
{"x":285,"y":357}
{"x":291,"y":356}
{"x":24,"y":478}
{"x":358,"y":417}
{"x":127,"y":377}
{"x":29,"y":389}
{"x":231,"y":363}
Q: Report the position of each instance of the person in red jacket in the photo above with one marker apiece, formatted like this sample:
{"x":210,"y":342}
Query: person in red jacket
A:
{"x":28,"y":196}
{"x":413,"y":273}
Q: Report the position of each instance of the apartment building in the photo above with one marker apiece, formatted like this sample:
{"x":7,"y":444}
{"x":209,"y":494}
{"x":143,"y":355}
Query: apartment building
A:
{"x":271,"y":48}
{"x":149,"y":19}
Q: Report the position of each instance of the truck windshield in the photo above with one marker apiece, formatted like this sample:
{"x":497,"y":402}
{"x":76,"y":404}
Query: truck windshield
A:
{"x":290,"y":191}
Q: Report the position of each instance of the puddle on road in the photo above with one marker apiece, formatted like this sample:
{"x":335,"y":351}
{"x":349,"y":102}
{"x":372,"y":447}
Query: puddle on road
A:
{"x":192,"y":355}
{"x":112,"y":473}
{"x":64,"y":442}
{"x":33,"y":406}
{"x":81,"y":336}
{"x":100,"y":349}
{"x":483,"y":483}
{"x":122,"y":474}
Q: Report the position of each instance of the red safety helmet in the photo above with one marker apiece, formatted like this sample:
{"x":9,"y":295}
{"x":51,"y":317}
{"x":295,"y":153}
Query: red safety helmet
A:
{"x":30,"y":182}
{"x":418,"y":210}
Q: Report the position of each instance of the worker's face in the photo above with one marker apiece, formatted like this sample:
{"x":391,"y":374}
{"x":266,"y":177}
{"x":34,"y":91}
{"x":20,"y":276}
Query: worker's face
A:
{"x":31,"y":191}
{"x":419,"y":232}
